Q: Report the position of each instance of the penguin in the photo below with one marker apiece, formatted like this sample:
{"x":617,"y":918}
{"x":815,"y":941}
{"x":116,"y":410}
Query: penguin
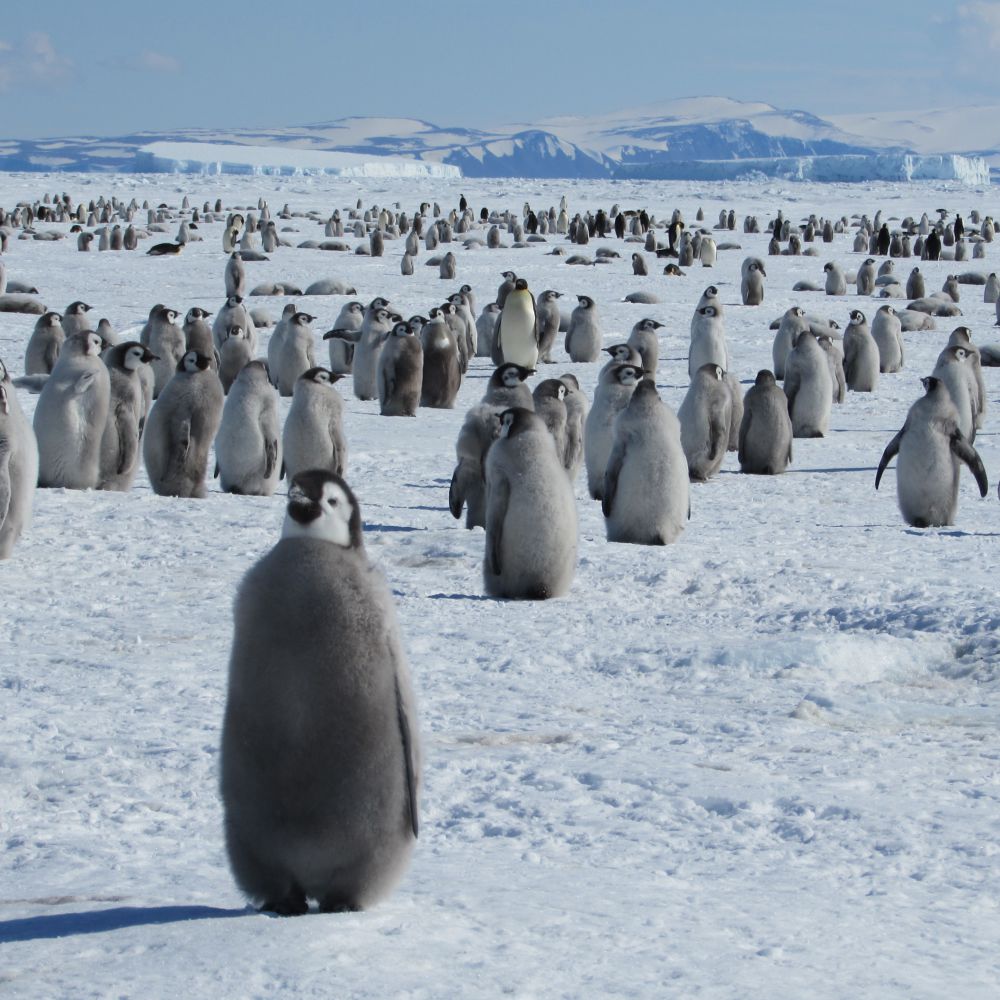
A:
{"x":836,"y":283}
{"x":531,"y":523}
{"x":70,"y":415}
{"x":961,"y":337}
{"x":456,"y":324}
{"x":708,"y":340}
{"x":705,"y":416}
{"x":234,"y":313}
{"x":400,"y":373}
{"x":44,"y":344}
{"x":508,"y":285}
{"x":165,"y":250}
{"x":375,"y":328}
{"x":915,"y":287}
{"x":835,"y":362}
{"x":622,"y":354}
{"x":991,"y":290}
{"x":468,"y":481}
{"x":584,"y":337}
{"x":119,"y":455}
{"x":294,"y":353}
{"x":930,"y":446}
{"x":548,"y":316}
{"x":865,"y":281}
{"x":614,"y":389}
{"x":577,"y":409}
{"x":486,"y":330}
{"x":181,"y":427}
{"x":320,"y":760}
{"x":248,"y":443}
{"x":198,"y":334}
{"x":887,"y":331}
{"x":646,"y":496}
{"x":166,"y":340}
{"x":235,"y":275}
{"x":861,"y":355}
{"x":506,"y":388}
{"x":793,"y":322}
{"x":954,"y":369}
{"x":517,"y":329}
{"x":313,"y":435}
{"x":18,"y":467}
{"x":234,"y":354}
{"x":442,"y":373}
{"x":465,"y":326}
{"x":549,"y":402}
{"x":74,"y":318}
{"x":639,"y":268}
{"x":808,"y":387}
{"x":644,"y":340}
{"x":707,"y":252}
{"x":752,"y":281}
{"x":765,"y":438}
{"x":735,"y":411}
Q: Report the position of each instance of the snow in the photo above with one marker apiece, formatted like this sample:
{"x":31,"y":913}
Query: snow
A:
{"x":760,"y":762}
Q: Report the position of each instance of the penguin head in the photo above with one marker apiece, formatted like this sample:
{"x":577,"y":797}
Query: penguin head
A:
{"x":378,"y":303}
{"x":707,"y":311}
{"x":417,"y":323}
{"x":170,"y":315}
{"x":510,"y":375}
{"x":193,"y":362}
{"x":196,"y":313}
{"x":646,"y":387}
{"x":628,"y":374}
{"x":77,"y":308}
{"x":570,"y":381}
{"x":302,"y":319}
{"x":508,"y":276}
{"x":136,"y":354}
{"x":930,"y":383}
{"x":516,"y":421}
{"x":622,"y":353}
{"x":322,"y":506}
{"x":51,"y":319}
{"x":648,"y":325}
{"x":521,"y":285}
{"x":765,"y":377}
{"x":402,"y":330}
{"x":712,"y":371}
{"x":90,"y":343}
{"x":586,"y":302}
{"x":236,"y":332}
{"x":888,"y":310}
{"x":233,"y":301}
{"x":550,"y":388}
{"x":857,"y":317}
{"x":320,"y":375}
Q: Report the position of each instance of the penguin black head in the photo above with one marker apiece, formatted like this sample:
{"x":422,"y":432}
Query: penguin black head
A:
{"x":236,"y":331}
{"x":510,"y":375}
{"x":712,"y":292}
{"x":620,"y":352}
{"x":646,"y":387}
{"x":707,"y":310}
{"x":712,"y":371}
{"x":77,"y":308}
{"x":930,"y":383}
{"x":302,"y":319}
{"x":648,"y":324}
{"x":193,"y":362}
{"x":196,"y":312}
{"x":508,"y":275}
{"x":378,"y":303}
{"x":586,"y":302}
{"x":516,"y":421}
{"x":521,"y":285}
{"x":570,"y":380}
{"x":402,"y":330}
{"x":765,"y":377}
{"x":50,"y":319}
{"x":628,"y":374}
{"x":133,"y":354}
{"x":322,"y":506}
{"x":551,"y":388}
{"x":857,"y":316}
{"x":320,"y":375}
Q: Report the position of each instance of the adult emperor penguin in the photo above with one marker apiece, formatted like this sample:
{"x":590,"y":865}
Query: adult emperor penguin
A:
{"x":320,"y":762}
{"x":765,"y":439}
{"x":643,"y":338}
{"x":120,"y":454}
{"x":400,"y":373}
{"x":930,"y":445}
{"x":44,"y":344}
{"x":584,"y":336}
{"x":248,"y":444}
{"x":861,"y":355}
{"x":375,"y":328}
{"x":547,"y":312}
{"x":313,"y":435}
{"x":646,"y":493}
{"x":18,"y":467}
{"x":705,"y":417}
{"x":517,"y":329}
{"x":887,"y":330}
{"x":71,"y":413}
{"x":166,"y":340}
{"x":181,"y":427}
{"x":614,"y":390}
{"x":531,"y":532}
{"x":808,"y":387}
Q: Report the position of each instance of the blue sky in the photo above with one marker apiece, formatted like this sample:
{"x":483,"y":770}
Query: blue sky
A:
{"x":112,"y":67}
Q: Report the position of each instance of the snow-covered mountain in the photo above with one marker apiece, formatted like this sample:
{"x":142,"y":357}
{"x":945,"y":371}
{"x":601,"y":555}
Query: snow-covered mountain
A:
{"x":705,"y":137}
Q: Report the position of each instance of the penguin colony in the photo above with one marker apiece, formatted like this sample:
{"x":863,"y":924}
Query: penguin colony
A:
{"x":183,"y":387}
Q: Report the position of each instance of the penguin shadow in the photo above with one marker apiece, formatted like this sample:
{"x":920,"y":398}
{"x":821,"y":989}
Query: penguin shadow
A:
{"x":833,"y":468}
{"x":117,"y":918}
{"x":458,"y":597}
{"x":950,"y":533}
{"x":370,"y":526}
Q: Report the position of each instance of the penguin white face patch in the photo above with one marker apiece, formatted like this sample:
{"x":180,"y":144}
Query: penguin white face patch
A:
{"x":327,"y":518}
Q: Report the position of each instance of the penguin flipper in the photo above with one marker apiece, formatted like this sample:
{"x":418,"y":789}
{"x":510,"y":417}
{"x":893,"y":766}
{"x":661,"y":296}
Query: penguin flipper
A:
{"x":128,"y":442}
{"x":965,"y":451}
{"x":51,"y":354}
{"x":744,"y":430}
{"x":83,"y":383}
{"x":270,"y":457}
{"x":408,"y":759}
{"x":891,"y":450}
{"x":611,"y":473}
{"x":33,"y":383}
{"x":496,"y":512}
{"x":456,"y":499}
{"x":5,"y":490}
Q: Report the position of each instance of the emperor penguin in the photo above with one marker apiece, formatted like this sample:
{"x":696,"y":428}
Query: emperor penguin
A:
{"x":166,"y":340}
{"x":765,"y":439}
{"x":127,"y":411}
{"x":506,"y":388}
{"x":468,"y":481}
{"x":313,"y":436}
{"x":865,"y":281}
{"x":234,"y":353}
{"x":887,"y":331}
{"x":708,"y":340}
{"x":18,"y":466}
{"x":861,"y":355}
{"x":531,"y":524}
{"x":808,"y":387}
{"x":954,"y":369}
{"x":549,"y":398}
{"x":991,"y":290}
{"x":833,"y":349}
{"x":614,"y":390}
{"x":643,"y":338}
{"x":248,"y":443}
{"x":75,"y":319}
{"x":752,"y":281}
{"x":646,"y":493}
{"x":71,"y":413}
{"x":836,"y":283}
{"x":234,"y":313}
{"x":44,"y":344}
{"x":375,"y":327}
{"x":441,"y":377}
{"x":295,"y":353}
{"x":486,"y":330}
{"x":707,"y":252}
{"x":198,"y":334}
{"x":793,"y":322}
{"x":930,"y":446}
{"x":622,"y":354}
{"x":584,"y":336}
{"x":961,"y":337}
{"x":705,"y":417}
{"x":235,"y":275}
{"x":915,"y":286}
{"x":320,"y":759}
{"x":181,"y":427}
{"x":400,"y":373}
{"x":517,"y":329}
{"x":577,"y":409}
{"x":547,"y":312}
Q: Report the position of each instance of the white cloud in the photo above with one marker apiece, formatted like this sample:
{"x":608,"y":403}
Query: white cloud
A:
{"x":980,"y":23}
{"x":34,"y":60}
{"x":156,"y":62}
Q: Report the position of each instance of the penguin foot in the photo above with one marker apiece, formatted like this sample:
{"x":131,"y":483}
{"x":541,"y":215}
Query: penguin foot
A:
{"x":338,"y":904}
{"x":292,"y":905}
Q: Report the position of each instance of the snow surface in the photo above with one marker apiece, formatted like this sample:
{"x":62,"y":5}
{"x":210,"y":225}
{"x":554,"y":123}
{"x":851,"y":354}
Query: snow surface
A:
{"x":762,"y":762}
